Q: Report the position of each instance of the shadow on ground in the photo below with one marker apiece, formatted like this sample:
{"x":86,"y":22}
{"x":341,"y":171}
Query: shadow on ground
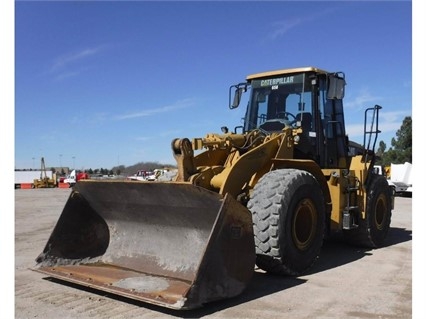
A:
{"x":335,"y":253}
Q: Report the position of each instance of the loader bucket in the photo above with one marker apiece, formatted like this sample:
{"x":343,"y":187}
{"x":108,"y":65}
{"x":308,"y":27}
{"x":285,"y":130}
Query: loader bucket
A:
{"x":171,"y":244}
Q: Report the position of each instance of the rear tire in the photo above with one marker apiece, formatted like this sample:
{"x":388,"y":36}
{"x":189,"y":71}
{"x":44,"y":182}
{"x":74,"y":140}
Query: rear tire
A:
{"x":372,"y":231}
{"x":288,"y":211}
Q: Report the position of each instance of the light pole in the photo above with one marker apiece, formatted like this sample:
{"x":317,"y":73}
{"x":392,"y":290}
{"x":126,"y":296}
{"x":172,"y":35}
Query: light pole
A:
{"x":73,"y":162}
{"x":60,"y":161}
{"x":33,"y":162}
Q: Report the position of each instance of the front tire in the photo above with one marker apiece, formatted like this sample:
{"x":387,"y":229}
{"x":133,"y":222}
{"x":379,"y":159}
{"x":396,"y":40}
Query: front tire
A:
{"x":288,"y":211}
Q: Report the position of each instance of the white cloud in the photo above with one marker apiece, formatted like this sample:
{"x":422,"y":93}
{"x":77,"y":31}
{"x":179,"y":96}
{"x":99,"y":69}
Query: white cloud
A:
{"x":64,"y":60}
{"x":389,"y":123}
{"x":66,"y":75}
{"x":393,"y":117}
{"x":64,"y":66}
{"x":363,"y":99}
{"x":167,"y":108}
{"x":170,"y":133}
{"x":143,"y":138}
{"x":283,"y":26}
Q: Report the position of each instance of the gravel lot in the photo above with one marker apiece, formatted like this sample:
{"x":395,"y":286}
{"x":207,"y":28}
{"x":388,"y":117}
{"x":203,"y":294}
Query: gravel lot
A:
{"x":346,"y":282}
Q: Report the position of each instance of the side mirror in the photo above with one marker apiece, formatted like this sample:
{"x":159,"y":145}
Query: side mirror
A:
{"x":239,"y":90}
{"x":336,"y":86}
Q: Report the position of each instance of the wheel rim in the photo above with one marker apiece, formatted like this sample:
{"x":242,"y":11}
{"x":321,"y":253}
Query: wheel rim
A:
{"x":304,"y":224}
{"x":380,"y":212}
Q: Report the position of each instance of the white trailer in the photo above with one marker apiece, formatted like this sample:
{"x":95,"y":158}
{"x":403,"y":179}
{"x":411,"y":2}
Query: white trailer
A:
{"x":401,"y":177}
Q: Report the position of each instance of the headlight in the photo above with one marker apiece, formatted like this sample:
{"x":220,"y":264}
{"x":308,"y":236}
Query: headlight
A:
{"x":297,"y":139}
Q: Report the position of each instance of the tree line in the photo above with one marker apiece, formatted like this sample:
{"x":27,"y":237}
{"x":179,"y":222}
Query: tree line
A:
{"x":401,"y":146}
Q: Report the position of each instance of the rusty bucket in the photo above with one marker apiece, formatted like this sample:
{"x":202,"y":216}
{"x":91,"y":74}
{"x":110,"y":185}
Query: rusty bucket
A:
{"x":170,"y":244}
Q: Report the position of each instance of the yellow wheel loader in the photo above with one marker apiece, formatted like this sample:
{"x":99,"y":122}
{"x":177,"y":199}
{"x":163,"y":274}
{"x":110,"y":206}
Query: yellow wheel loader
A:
{"x":267,"y":193}
{"x":45,"y":181}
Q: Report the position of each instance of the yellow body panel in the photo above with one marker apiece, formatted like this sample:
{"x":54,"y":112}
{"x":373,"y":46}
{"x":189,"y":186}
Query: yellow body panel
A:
{"x":339,"y":180}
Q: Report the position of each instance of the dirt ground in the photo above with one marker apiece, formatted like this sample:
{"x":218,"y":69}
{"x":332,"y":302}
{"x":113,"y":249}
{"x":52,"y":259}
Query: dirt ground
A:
{"x":346,"y":282}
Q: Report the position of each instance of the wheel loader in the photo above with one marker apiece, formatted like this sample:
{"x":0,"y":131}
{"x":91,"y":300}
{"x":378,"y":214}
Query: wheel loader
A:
{"x":266,"y":194}
{"x":45,"y":181}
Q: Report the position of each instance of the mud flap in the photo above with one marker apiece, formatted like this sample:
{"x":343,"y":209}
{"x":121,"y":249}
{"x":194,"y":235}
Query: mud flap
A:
{"x":170,"y":244}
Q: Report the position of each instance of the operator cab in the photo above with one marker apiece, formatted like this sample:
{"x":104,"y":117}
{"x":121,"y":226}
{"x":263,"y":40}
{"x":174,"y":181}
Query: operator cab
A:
{"x":306,"y":98}
{"x":279,"y":102}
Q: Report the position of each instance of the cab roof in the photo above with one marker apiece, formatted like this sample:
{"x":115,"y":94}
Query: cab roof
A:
{"x":285,"y":71}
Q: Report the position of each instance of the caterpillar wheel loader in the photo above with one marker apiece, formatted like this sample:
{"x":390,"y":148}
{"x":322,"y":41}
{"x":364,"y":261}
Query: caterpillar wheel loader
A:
{"x":265,"y":194}
{"x":44,"y":181}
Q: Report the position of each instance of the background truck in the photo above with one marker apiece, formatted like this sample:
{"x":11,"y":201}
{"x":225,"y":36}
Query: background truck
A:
{"x":158,"y":174}
{"x":140,"y":175}
{"x":266,"y":193}
{"x":74,"y":177}
{"x":401,"y":178}
{"x":398,"y":177}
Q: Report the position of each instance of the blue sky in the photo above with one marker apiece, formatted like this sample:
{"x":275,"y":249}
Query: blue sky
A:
{"x":113,"y":83}
{"x":100,"y":84}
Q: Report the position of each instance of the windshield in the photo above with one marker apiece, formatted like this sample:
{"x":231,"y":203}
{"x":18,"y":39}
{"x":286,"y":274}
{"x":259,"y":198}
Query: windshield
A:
{"x":278,"y":102}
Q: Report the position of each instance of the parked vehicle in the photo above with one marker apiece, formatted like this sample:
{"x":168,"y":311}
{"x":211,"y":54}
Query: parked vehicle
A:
{"x":398,"y":177}
{"x":74,"y":177}
{"x":266,"y":193}
{"x":25,"y":179}
{"x":140,"y":175}
{"x":44,"y":181}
